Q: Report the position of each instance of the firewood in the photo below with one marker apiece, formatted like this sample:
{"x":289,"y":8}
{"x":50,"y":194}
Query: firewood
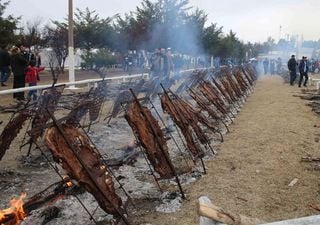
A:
{"x":315,"y":206}
{"x":206,"y":209}
{"x":310,"y":159}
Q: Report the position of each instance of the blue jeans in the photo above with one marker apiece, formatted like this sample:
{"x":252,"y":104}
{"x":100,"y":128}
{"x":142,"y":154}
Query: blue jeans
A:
{"x":4,"y":73}
{"x":32,"y":94}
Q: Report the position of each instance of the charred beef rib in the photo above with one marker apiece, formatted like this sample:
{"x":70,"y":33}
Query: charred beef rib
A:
{"x":151,"y":138}
{"x":179,"y":117}
{"x":11,"y":130}
{"x":95,"y":177}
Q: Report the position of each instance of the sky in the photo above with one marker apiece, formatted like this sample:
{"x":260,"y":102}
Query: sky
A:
{"x":252,"y":20}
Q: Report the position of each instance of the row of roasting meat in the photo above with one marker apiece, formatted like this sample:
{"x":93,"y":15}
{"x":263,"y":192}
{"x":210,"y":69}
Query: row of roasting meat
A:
{"x":210,"y":103}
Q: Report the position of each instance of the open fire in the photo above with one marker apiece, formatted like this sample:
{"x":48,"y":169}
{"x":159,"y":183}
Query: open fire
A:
{"x":19,"y":209}
{"x":15,"y":214}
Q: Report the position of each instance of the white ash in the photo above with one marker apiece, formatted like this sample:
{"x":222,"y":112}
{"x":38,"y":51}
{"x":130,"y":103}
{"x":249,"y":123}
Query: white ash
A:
{"x":71,"y":212}
{"x":170,"y":202}
{"x":136,"y":181}
{"x":108,"y":138}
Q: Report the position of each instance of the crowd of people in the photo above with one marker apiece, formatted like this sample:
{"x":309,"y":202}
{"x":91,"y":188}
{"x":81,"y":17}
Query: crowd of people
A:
{"x":25,"y":66}
{"x":272,"y":66}
{"x":157,"y":60}
{"x":161,"y":63}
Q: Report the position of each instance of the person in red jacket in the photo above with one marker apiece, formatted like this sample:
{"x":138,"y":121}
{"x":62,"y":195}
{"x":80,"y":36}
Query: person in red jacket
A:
{"x":32,"y":78}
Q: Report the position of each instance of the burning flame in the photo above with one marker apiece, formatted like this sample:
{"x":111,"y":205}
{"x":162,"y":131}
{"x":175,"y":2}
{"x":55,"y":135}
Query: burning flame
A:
{"x":15,"y":213}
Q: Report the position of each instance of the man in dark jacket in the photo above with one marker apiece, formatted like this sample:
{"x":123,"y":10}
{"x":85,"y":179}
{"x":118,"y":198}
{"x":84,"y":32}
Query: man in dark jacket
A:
{"x":292,"y":66}
{"x":27,"y":54}
{"x":18,"y":65}
{"x":303,"y":69}
{"x":4,"y":65}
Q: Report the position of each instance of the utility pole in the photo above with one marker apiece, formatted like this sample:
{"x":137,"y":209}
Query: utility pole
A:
{"x":71,"y":43}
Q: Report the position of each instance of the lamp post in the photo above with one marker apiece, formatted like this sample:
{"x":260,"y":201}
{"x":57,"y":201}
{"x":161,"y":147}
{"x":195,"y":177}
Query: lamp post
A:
{"x":71,"y":43}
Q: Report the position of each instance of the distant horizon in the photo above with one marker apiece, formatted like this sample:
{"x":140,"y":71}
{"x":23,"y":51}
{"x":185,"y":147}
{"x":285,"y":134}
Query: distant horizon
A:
{"x":252,"y":20}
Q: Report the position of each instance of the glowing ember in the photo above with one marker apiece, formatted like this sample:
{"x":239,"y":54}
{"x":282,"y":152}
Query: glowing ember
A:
{"x":15,"y":213}
{"x":69,"y":184}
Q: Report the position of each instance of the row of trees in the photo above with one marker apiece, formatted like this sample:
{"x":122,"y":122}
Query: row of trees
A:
{"x":164,"y":23}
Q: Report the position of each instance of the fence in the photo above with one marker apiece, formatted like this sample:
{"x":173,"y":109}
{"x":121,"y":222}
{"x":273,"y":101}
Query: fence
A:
{"x":68,"y":84}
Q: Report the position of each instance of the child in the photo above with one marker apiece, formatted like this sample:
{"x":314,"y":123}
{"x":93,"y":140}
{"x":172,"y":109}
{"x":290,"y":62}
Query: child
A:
{"x":32,"y":77}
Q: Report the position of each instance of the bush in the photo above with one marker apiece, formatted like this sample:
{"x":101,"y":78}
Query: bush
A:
{"x":101,"y":58}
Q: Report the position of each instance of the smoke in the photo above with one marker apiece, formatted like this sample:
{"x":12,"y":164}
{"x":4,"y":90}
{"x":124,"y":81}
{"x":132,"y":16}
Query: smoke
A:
{"x":176,"y":27}
{"x":181,"y":39}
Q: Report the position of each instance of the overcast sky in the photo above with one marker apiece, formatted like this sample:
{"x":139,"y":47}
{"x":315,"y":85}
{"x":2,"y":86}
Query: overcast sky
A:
{"x":252,"y":20}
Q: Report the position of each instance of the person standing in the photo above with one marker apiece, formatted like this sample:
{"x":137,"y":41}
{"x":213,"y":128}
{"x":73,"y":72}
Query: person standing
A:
{"x":18,"y":65}
{"x":26,"y":53}
{"x":266,"y":66}
{"x":292,"y":66}
{"x":37,"y":59}
{"x":303,"y":69}
{"x":4,"y":65}
{"x":272,"y":67}
{"x":279,"y":66}
{"x":32,"y":78}
{"x":156,"y":63}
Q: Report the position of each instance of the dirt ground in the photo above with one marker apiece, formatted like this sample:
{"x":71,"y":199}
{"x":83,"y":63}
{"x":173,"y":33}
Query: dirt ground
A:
{"x":258,"y":160}
{"x":251,"y":172}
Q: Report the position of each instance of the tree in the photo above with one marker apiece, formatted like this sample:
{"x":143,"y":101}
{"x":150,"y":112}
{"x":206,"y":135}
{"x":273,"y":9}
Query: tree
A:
{"x":165,"y":23}
{"x":8,"y":26}
{"x":31,"y":34}
{"x":136,"y":28}
{"x":173,"y":26}
{"x":56,"y":38}
{"x":128,"y":37}
{"x":99,"y":61}
{"x":91,"y":31}
{"x":188,"y":37}
{"x":154,"y":24}
{"x":211,"y":39}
